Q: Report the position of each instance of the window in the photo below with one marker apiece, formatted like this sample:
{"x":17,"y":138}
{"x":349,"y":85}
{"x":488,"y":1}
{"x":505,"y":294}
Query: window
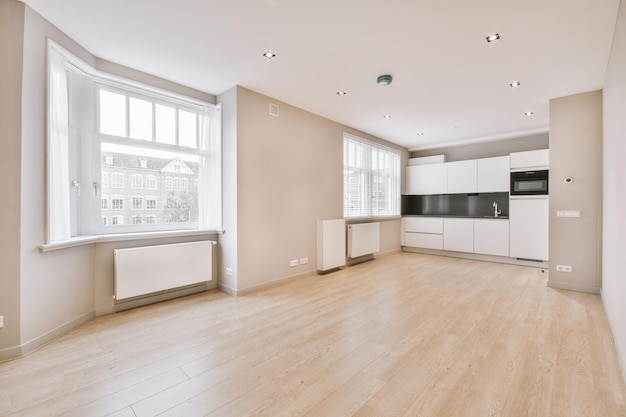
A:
{"x":136,"y":219}
{"x":137,"y":202}
{"x":137,"y":181}
{"x":117,"y":202}
{"x":117,"y":220}
{"x":121,"y":135}
{"x":371,"y":179}
{"x":184,"y":184}
{"x":151,"y":182}
{"x":117,"y":180}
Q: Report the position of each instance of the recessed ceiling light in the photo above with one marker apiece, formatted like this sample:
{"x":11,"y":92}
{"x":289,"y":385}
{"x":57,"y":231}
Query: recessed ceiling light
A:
{"x":420,"y":134}
{"x":269,"y":55}
{"x":492,"y":38}
{"x":528,"y":113}
{"x":515,"y":84}
{"x":341,"y":93}
{"x":387,"y":116}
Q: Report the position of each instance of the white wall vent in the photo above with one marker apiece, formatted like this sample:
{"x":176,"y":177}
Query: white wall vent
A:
{"x":274,"y":109}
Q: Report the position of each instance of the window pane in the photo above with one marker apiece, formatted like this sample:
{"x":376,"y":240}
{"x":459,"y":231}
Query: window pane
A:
{"x":187,"y":129}
{"x":165,"y":124}
{"x":371,"y":179}
{"x":170,"y":177}
{"x":112,"y":113}
{"x":140,"y":119}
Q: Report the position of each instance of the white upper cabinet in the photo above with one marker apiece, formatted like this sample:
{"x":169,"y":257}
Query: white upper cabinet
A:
{"x":462,"y":177}
{"x":493,"y":175}
{"x":530,"y":159}
{"x":426,"y":179}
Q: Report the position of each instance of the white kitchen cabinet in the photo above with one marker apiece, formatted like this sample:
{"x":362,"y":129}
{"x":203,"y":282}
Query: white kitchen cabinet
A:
{"x":426,"y":179}
{"x":530,"y":159}
{"x":422,"y":232}
{"x":423,"y":240}
{"x":423,"y":224}
{"x":458,"y":235}
{"x":462,"y":176}
{"x":493,"y":175}
{"x":528,"y":219}
{"x":491,"y":237}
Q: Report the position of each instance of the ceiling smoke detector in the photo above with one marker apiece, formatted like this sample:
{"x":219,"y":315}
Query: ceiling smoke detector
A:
{"x":384,"y":79}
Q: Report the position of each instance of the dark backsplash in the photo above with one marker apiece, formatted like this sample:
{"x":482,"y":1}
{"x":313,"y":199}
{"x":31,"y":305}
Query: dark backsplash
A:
{"x":462,"y":205}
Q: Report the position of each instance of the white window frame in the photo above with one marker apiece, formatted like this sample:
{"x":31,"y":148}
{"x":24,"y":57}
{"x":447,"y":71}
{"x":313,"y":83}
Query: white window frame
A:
{"x":86,"y":157}
{"x":363,"y":179}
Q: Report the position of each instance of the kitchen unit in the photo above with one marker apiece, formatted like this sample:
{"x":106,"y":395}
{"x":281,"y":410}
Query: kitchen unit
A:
{"x":470,"y":176}
{"x":483,"y":236}
{"x":529,"y":205}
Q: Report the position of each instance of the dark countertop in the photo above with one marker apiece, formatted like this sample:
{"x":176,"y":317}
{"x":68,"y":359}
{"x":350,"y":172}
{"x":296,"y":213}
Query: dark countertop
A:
{"x":451,"y":216}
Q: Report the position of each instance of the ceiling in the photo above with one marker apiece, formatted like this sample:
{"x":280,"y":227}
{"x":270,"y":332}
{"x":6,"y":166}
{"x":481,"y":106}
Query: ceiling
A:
{"x":448,"y":82}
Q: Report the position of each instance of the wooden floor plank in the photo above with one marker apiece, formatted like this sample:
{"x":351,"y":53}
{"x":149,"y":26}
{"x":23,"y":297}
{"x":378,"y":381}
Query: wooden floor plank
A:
{"x":404,"y":335}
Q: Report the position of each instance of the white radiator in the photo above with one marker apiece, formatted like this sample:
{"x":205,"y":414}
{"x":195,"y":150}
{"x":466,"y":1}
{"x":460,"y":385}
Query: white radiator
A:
{"x":363,"y":239}
{"x":331,"y":244}
{"x":149,"y":269}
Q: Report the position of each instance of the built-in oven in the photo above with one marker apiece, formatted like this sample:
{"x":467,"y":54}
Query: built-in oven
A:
{"x":529,"y":182}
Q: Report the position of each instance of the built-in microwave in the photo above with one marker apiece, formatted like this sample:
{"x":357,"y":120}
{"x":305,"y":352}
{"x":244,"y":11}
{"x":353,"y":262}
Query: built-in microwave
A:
{"x":529,"y":182}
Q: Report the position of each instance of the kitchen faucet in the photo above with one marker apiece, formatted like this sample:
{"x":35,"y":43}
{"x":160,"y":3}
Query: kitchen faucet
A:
{"x":496,"y":212}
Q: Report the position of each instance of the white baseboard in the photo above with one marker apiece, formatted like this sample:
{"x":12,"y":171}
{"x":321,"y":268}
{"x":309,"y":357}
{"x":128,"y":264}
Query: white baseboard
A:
{"x":572,"y":287}
{"x":37,"y":342}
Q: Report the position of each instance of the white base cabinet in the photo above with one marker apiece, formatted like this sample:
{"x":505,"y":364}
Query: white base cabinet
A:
{"x":491,"y":237}
{"x":458,"y":235}
{"x":479,"y":236}
{"x":529,"y":228}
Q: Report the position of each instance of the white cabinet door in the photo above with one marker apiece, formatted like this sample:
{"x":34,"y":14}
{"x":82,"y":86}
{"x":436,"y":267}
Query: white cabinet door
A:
{"x":493,"y":175}
{"x":462,"y":177}
{"x":529,"y":228}
{"x":423,"y":224}
{"x":491,"y":237}
{"x":458,"y":235}
{"x":426,"y":179}
{"x":423,"y":240}
{"x":530,"y":159}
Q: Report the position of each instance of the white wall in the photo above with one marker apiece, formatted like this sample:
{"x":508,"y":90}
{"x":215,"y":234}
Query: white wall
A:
{"x":614,"y":203}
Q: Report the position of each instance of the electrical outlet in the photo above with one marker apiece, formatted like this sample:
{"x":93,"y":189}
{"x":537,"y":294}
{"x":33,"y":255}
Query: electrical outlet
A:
{"x":1,"y":322}
{"x":564,"y":268}
{"x":293,"y":262}
{"x":229,"y":271}
{"x":304,"y":261}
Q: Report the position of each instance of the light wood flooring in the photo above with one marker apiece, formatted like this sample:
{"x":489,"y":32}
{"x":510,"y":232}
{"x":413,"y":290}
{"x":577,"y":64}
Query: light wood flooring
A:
{"x":404,"y":335}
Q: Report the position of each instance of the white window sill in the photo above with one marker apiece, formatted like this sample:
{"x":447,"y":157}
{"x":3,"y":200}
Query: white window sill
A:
{"x":88,"y":240}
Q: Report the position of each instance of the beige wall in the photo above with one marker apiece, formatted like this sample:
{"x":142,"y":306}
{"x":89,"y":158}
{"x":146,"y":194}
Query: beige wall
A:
{"x":614,"y":202}
{"x":11,"y":41}
{"x":44,"y":294}
{"x":289,"y":175}
{"x":576,"y":151}
{"x":488,"y":149}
